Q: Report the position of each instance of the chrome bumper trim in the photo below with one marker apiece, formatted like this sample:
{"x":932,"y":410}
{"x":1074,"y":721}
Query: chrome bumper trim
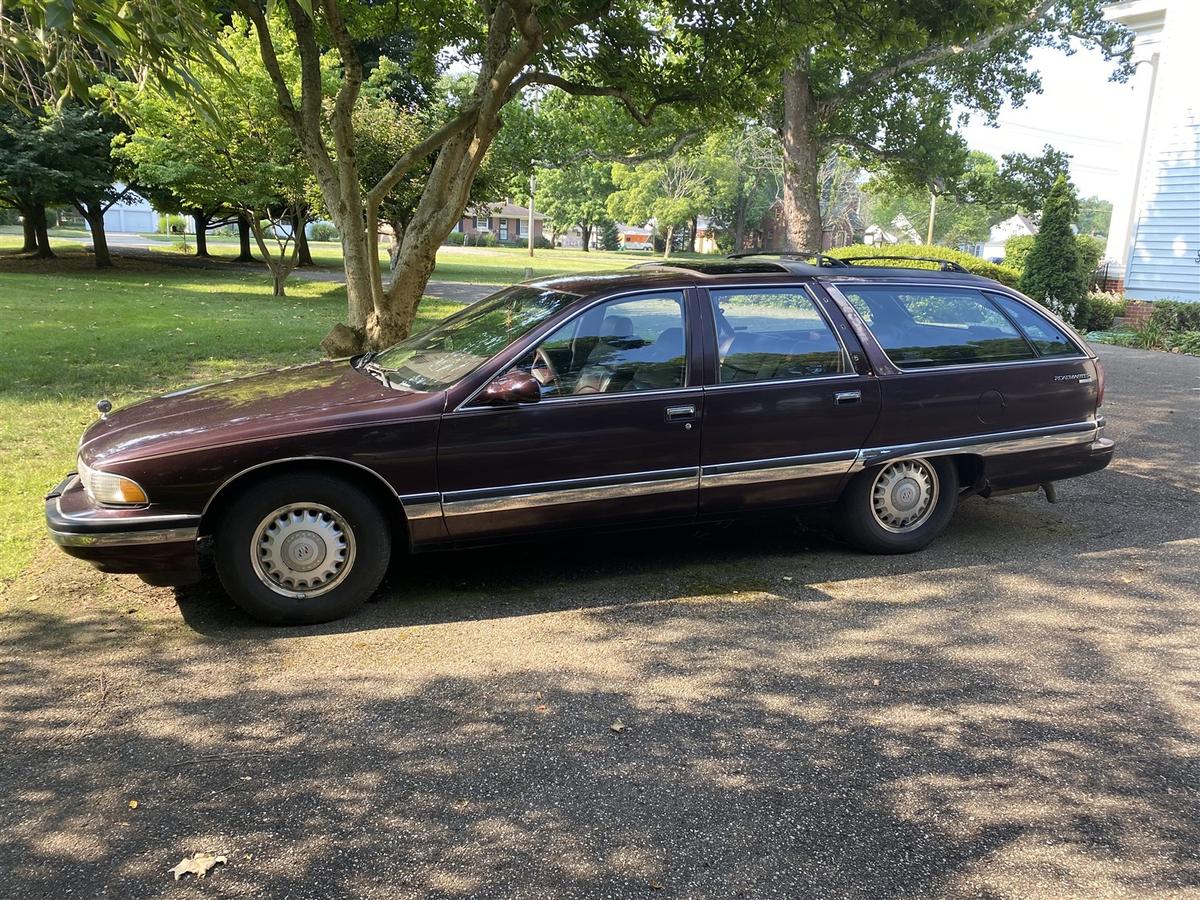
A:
{"x":123,"y":538}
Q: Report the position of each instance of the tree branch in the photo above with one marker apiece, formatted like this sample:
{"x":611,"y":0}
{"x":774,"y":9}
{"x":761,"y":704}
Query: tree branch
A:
{"x":586,"y":90}
{"x":932,"y":54}
{"x":666,"y":153}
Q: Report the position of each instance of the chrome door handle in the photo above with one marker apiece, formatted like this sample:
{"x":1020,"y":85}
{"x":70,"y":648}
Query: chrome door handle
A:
{"x":679,"y":413}
{"x":843,"y":397}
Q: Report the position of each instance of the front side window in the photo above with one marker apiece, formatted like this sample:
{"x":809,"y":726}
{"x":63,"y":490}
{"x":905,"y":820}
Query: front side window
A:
{"x":921,"y":328}
{"x":455,"y":347}
{"x":1049,"y":339}
{"x":629,"y":344}
{"x":773,"y":334}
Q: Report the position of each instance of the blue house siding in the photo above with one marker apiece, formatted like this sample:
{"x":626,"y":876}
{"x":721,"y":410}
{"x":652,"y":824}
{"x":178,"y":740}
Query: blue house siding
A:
{"x":1165,"y":262}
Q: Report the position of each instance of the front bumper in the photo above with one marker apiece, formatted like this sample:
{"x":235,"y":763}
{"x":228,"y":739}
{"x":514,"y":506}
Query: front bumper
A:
{"x":129,"y":541}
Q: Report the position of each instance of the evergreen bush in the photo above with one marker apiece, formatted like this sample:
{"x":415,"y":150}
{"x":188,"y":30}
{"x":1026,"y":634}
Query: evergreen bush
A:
{"x":1052,"y":268}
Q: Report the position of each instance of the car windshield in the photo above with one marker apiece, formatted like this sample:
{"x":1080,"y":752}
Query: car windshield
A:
{"x":455,"y":347}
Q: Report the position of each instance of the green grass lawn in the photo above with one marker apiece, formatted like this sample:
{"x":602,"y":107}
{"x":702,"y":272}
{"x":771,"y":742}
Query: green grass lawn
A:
{"x":70,"y":334}
{"x":480,"y":265}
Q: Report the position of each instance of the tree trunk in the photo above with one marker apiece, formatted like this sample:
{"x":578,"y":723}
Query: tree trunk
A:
{"x":587,"y":237}
{"x":30,"y":243}
{"x":279,"y":266}
{"x":303,"y":254}
{"x":94,"y":213}
{"x":43,"y":250}
{"x":394,"y":245}
{"x":693,"y":227}
{"x":244,"y":254}
{"x":200,"y":220}
{"x":739,"y":220}
{"x":670,"y":239}
{"x":801,"y":161}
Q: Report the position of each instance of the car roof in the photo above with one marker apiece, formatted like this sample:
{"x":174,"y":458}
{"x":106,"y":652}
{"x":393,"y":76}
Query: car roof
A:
{"x":768,"y":268}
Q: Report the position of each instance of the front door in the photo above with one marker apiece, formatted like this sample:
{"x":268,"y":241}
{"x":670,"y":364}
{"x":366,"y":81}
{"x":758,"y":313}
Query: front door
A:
{"x":615,"y":437}
{"x":787,"y":413}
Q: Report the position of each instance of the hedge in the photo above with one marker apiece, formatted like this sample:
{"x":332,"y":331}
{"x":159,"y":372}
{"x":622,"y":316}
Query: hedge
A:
{"x":972,"y":264}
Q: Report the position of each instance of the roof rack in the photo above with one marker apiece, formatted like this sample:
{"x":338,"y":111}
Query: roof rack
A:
{"x":797,"y":255}
{"x":944,"y":265}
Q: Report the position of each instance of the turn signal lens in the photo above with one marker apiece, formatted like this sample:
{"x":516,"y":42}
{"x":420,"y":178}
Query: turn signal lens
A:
{"x":109,"y":489}
{"x":1099,"y":384}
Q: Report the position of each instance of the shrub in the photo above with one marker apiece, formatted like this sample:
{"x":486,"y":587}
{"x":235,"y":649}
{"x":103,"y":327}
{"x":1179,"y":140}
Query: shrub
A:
{"x":1016,"y":251}
{"x":1172,"y":315}
{"x":485,"y":239}
{"x":322,"y":231}
{"x":455,"y":239}
{"x":1052,"y":268}
{"x":972,"y":264}
{"x":1149,"y":336}
{"x":1091,"y":251}
{"x":542,"y":243}
{"x":1097,"y":311}
{"x":171,"y":224}
{"x":1184,"y":342}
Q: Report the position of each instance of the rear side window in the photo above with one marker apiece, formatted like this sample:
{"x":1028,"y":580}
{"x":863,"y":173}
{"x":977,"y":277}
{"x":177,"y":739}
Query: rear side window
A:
{"x":1049,"y":339}
{"x":921,"y":328}
{"x":773,"y":334}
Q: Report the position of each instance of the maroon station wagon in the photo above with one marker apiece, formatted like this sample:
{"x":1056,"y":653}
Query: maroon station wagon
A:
{"x":670,"y":393}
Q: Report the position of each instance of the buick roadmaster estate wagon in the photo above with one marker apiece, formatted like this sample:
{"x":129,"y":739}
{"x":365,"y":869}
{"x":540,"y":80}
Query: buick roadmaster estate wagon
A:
{"x":669,"y":393}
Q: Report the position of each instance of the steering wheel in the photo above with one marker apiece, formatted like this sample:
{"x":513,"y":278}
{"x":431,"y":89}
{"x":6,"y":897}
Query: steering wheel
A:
{"x":543,"y":370}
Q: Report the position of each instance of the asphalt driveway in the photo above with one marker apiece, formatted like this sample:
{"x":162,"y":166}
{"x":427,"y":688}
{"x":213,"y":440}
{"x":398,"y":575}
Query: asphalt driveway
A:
{"x":1014,"y":712}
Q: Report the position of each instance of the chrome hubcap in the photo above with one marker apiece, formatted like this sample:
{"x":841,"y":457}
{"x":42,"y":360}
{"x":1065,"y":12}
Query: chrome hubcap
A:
{"x":904,"y":495}
{"x":302,"y":550}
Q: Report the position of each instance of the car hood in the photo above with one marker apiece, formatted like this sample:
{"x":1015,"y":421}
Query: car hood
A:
{"x":329,"y":394}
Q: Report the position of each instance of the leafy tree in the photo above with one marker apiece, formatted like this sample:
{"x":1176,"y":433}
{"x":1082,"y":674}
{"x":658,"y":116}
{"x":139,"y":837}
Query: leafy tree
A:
{"x":238,"y":153}
{"x":643,"y":56}
{"x":757,"y":161}
{"x":675,"y":191}
{"x":883,"y":79}
{"x":576,"y":196}
{"x":1052,"y":273}
{"x":610,"y":238}
{"x":1095,"y":216}
{"x":29,"y":176}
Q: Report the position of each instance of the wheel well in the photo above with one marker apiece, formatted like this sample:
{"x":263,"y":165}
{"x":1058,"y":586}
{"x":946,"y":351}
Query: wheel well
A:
{"x":970,"y":473}
{"x":369,"y":482}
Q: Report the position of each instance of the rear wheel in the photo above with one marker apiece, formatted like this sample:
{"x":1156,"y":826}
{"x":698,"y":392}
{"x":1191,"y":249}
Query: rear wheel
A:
{"x":900,"y":506}
{"x":302,"y":549}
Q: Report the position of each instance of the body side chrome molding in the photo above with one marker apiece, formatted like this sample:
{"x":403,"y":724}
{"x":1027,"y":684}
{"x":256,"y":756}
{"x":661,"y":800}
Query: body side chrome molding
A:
{"x":786,"y":468}
{"x":123,"y":538}
{"x":579,"y":490}
{"x":994,"y":444}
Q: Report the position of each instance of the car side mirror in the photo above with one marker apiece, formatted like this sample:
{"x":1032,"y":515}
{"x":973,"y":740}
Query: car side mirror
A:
{"x":510,"y":388}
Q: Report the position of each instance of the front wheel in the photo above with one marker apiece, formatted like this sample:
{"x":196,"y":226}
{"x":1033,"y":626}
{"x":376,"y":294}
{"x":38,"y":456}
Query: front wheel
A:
{"x":899,"y":507}
{"x":302,"y":549}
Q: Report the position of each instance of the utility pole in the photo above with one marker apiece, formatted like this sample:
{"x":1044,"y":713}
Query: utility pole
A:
{"x":932,"y":214}
{"x":532,"y":191}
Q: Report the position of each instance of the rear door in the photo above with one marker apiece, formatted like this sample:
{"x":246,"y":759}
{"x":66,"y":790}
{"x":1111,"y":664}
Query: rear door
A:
{"x":785,"y":409}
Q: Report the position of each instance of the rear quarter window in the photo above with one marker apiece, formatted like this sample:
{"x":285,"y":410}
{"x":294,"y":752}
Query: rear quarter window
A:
{"x":926,"y":327}
{"x":1049,"y":339}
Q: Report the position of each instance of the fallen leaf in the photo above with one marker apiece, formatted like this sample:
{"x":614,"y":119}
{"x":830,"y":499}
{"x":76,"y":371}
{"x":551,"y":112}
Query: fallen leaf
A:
{"x":617,"y":726}
{"x":541,"y":707}
{"x":133,"y":804}
{"x":199,"y":865}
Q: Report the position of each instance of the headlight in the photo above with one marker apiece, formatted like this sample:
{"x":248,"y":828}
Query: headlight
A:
{"x":109,"y":489}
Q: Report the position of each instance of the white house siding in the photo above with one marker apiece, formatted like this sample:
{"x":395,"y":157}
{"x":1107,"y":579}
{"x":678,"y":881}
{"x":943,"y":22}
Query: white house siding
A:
{"x":1155,"y":235}
{"x":1165,"y":259}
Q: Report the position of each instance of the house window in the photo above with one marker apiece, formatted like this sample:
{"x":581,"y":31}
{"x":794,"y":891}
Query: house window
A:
{"x":504,"y":229}
{"x":522,"y":228}
{"x":483,"y":224}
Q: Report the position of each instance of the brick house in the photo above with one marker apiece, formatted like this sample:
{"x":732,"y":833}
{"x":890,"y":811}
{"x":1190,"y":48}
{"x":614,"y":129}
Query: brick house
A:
{"x":506,"y":221}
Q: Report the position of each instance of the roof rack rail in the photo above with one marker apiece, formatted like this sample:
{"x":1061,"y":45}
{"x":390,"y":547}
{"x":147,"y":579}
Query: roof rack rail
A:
{"x":944,"y":265}
{"x":797,"y":255}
